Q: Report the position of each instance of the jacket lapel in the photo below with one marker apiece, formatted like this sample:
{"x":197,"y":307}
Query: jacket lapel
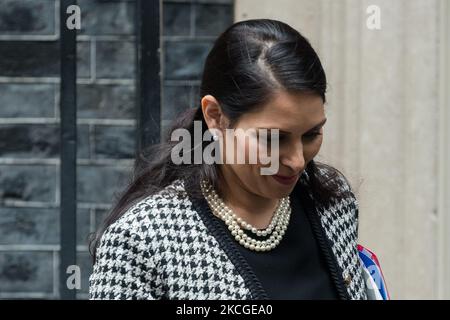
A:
{"x":335,"y":227}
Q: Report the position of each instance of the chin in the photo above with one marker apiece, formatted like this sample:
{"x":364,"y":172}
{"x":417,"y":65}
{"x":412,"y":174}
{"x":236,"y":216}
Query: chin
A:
{"x":280,"y":191}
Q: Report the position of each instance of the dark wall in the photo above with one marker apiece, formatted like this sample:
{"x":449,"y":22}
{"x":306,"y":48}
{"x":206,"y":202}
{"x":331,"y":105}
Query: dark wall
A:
{"x":29,"y":120}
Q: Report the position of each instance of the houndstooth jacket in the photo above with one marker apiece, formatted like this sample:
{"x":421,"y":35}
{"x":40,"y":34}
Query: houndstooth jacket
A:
{"x":167,"y":246}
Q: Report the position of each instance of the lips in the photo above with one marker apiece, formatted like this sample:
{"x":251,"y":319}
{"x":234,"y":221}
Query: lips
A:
{"x":286,"y":180}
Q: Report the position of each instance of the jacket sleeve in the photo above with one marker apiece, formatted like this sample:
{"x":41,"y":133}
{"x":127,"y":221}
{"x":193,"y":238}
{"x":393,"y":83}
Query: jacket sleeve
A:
{"x":357,"y":217}
{"x":121,"y":270}
{"x":346,"y":186}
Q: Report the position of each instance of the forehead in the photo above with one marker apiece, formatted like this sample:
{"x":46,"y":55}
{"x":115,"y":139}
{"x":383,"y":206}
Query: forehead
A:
{"x":290,"y":111}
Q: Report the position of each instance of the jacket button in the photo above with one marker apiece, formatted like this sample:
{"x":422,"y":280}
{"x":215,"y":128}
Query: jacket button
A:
{"x":348,"y":280}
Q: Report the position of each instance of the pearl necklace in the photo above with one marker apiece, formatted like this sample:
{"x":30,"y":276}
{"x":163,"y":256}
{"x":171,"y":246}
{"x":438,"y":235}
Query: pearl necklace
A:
{"x":276,"y":228}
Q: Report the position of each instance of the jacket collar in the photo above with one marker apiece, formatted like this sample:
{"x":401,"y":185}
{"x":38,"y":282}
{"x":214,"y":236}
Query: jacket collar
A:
{"x":252,"y":282}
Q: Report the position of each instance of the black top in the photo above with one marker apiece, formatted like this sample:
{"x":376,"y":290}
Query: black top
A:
{"x":296,"y":268}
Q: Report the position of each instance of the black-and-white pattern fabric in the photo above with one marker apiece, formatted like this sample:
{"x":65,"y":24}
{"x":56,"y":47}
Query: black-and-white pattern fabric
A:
{"x":340,"y":222}
{"x":161,"y":248}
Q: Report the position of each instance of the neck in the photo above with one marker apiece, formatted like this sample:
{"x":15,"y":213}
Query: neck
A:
{"x":251,"y":207}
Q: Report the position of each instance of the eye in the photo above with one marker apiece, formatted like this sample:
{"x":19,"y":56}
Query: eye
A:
{"x":312,"y":135}
{"x":281,"y":138}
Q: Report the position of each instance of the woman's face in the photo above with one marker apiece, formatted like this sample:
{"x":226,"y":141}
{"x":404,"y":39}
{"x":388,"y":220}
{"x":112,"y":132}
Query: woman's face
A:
{"x":299,"y":118}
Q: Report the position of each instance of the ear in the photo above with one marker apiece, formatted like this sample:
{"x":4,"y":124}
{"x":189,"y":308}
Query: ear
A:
{"x":212,"y":113}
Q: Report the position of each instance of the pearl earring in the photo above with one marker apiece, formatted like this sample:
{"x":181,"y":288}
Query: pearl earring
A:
{"x":215,"y":137}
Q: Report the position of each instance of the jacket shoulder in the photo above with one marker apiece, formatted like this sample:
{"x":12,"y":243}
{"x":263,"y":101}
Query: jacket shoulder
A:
{"x":146,"y":212}
{"x":344,"y":197}
{"x":126,"y":257}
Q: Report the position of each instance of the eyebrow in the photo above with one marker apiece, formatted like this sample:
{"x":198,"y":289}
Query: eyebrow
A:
{"x":317,"y":126}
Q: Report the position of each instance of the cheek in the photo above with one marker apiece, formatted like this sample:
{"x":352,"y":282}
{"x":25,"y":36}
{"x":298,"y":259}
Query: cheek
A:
{"x":249,"y":150}
{"x":246,"y":149}
{"x":312,"y":149}
{"x":237,"y":151}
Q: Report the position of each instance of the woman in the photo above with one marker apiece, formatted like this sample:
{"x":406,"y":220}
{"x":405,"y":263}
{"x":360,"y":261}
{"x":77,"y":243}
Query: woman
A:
{"x":224,"y":230}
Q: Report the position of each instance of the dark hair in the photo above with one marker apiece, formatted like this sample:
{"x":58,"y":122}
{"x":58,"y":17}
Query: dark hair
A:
{"x":247,"y":64}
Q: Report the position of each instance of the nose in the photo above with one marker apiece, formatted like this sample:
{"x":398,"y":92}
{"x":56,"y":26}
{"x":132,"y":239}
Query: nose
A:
{"x":293,"y":158}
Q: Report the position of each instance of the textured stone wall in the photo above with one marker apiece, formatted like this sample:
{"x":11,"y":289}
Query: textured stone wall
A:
{"x":383,"y":125}
{"x":29,"y":121}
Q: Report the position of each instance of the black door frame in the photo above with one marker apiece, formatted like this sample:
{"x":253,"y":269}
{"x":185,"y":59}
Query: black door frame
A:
{"x":148,"y":115}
